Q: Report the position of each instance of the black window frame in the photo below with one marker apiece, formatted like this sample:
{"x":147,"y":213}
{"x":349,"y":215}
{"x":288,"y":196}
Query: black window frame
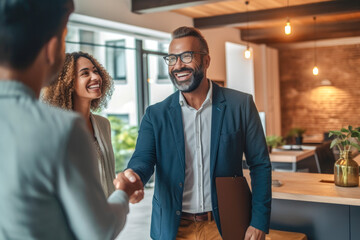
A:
{"x":163,"y":75}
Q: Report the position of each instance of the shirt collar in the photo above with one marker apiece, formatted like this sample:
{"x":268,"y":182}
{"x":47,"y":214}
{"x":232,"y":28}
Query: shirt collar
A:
{"x":15,"y":88}
{"x":208,"y":98}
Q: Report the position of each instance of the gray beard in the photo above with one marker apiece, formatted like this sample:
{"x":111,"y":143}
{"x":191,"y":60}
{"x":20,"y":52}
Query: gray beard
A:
{"x":191,"y":84}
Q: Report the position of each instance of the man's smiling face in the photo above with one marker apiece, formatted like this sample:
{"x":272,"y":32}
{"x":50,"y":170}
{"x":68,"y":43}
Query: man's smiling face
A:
{"x":187,"y":76}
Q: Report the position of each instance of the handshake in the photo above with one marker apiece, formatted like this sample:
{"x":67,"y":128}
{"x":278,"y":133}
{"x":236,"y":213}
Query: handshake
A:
{"x":130,"y":182}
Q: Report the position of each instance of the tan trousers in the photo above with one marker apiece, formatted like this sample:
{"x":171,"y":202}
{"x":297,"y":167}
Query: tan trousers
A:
{"x":190,"y":230}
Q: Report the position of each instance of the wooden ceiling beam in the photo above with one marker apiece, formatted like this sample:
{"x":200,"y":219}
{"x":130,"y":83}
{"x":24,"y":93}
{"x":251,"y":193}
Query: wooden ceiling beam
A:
{"x":302,"y":33}
{"x":151,"y":6}
{"x":313,"y":9}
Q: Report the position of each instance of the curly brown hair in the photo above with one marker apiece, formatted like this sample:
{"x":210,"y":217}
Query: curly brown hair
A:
{"x":60,"y":92}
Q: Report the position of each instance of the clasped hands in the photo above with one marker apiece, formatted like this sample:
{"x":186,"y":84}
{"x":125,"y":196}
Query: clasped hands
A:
{"x":131,"y":184}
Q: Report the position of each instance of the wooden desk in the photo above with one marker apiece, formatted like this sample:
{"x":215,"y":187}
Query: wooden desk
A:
{"x":312,"y":187}
{"x":291,"y":157}
{"x":316,"y":138}
{"x":321,"y":210}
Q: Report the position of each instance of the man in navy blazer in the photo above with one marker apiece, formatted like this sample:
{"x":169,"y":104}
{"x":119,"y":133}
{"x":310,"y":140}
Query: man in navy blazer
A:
{"x":195,"y":135}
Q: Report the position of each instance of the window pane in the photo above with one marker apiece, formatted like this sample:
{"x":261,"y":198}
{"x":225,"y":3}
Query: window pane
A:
{"x":116,"y":60}
{"x":86,"y":37}
{"x":162,"y":67}
{"x":160,"y":86}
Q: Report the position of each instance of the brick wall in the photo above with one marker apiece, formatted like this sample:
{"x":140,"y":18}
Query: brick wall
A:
{"x":306,"y":103}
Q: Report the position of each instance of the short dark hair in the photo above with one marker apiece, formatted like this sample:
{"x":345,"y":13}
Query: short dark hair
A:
{"x":191,"y":32}
{"x":26,"y":25}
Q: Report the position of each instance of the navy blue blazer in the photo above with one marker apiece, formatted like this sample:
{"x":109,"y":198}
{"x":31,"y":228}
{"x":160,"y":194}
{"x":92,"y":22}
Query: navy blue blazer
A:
{"x":235,"y":129}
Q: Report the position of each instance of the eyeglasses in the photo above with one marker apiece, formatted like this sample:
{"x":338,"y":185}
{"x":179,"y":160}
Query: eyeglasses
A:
{"x":186,"y":57}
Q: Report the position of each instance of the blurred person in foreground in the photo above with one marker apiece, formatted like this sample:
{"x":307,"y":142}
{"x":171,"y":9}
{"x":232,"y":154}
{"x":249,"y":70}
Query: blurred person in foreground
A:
{"x":83,"y":85}
{"x":50,"y":186}
{"x":195,"y":135}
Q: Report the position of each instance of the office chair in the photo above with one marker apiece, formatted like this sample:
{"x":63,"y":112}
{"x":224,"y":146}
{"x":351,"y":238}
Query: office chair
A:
{"x":325,"y":158}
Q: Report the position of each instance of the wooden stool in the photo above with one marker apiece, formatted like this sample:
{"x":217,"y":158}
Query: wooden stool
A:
{"x":283,"y":235}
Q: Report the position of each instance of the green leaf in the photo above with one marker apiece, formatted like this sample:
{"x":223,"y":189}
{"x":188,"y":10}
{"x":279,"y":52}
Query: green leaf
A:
{"x":355,"y":145}
{"x":344,"y":130}
{"x":337,"y":133}
{"x":345,"y":143}
{"x":334,"y":142}
{"x":350,"y":128}
{"x":355,"y":134}
{"x":274,"y":141}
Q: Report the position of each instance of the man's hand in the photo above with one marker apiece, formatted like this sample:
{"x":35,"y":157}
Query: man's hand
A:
{"x":137,"y":196}
{"x":254,"y":234}
{"x":130,"y":183}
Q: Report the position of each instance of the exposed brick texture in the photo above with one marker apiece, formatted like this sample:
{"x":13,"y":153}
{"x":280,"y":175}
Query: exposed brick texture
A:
{"x":307,"y":104}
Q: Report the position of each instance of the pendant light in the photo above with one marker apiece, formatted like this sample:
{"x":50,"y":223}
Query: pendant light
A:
{"x":288,"y":25}
{"x":315,"y":69}
{"x":247,"y":52}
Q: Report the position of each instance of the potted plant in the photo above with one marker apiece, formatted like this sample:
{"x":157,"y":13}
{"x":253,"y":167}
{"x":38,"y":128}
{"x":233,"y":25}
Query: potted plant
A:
{"x":346,"y":170}
{"x":297,"y":133}
{"x":273,"y":142}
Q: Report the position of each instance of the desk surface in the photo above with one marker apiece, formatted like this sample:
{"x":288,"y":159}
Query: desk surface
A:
{"x":307,"y":187}
{"x":290,"y":156}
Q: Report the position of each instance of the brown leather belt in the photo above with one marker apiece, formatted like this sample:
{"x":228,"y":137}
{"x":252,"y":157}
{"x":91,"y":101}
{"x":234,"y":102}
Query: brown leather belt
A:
{"x":197,"y":217}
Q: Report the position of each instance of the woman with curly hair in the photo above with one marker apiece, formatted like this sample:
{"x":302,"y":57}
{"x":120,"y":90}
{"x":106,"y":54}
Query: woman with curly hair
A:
{"x":83,"y":85}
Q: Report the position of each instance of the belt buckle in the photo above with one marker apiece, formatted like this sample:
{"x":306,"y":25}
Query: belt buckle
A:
{"x":199,"y":217}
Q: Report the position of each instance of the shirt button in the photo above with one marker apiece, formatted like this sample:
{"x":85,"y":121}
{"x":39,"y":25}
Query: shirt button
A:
{"x":180,"y":185}
{"x":178,"y":213}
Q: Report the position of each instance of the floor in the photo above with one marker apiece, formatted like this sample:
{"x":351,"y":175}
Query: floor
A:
{"x":137,"y":225}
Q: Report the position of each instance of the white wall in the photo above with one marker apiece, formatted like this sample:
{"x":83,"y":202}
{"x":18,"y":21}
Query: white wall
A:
{"x":240,"y":71}
{"x":120,"y":11}
{"x":216,"y":38}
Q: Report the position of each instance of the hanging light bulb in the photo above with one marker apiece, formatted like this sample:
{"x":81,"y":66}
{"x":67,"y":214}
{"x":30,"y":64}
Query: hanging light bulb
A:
{"x":247,"y":52}
{"x":315,"y":71}
{"x":288,"y":27}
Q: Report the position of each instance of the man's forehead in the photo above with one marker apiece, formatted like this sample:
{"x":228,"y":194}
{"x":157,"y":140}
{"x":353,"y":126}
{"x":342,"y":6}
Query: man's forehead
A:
{"x":184,"y":44}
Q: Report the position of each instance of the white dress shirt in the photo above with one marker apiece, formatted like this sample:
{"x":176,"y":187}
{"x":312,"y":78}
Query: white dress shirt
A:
{"x":197,"y":135}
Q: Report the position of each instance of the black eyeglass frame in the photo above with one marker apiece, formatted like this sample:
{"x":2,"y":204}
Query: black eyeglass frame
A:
{"x":181,"y":58}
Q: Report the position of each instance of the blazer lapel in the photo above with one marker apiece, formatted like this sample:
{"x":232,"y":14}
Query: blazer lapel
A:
{"x":218,"y":110}
{"x":175,"y":116}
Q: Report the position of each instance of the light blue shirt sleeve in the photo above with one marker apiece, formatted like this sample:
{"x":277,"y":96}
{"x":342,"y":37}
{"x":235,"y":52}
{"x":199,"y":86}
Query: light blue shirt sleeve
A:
{"x":89,"y":214}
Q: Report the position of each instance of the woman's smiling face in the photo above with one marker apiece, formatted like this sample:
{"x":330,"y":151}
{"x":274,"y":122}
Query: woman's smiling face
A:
{"x":87,"y":80}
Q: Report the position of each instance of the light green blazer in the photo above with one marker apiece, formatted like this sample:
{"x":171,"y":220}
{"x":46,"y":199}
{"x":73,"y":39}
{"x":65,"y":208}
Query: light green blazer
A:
{"x":49,"y":177}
